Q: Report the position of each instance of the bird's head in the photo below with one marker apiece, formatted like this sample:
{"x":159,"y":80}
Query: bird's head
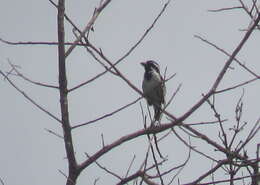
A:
{"x":151,"y":65}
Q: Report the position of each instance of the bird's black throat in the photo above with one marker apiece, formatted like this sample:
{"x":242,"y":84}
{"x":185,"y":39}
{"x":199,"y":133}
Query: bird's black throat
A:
{"x":148,"y":75}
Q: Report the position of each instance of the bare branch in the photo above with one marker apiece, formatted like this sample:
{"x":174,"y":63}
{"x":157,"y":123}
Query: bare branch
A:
{"x":155,"y":161}
{"x":88,"y":81}
{"x":126,"y":54}
{"x":50,"y":43}
{"x":251,"y":135}
{"x":28,"y":98}
{"x":66,"y":176}
{"x":96,"y":180}
{"x":89,"y":25}
{"x":217,"y":115}
{"x":225,"y":9}
{"x":192,"y":147}
{"x":105,"y":169}
{"x":2,"y":182}
{"x":236,"y":86}
{"x":14,"y":68}
{"x":219,"y":164}
{"x":149,"y":182}
{"x":107,"y":115}
{"x":206,"y":123}
{"x":54,"y":133}
{"x":227,"y":54}
{"x":180,"y":167}
{"x":235,"y":160}
{"x":68,"y":142}
{"x":215,"y":85}
{"x":129,"y":167}
{"x":93,"y":54}
{"x":221,"y":181}
{"x":238,"y":114}
{"x":145,"y":33}
{"x":150,"y":130}
{"x":250,"y":12}
{"x":140,"y":173}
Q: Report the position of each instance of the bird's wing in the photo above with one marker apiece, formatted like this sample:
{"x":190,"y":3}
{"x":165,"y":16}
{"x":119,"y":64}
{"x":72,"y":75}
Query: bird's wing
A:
{"x":160,"y":91}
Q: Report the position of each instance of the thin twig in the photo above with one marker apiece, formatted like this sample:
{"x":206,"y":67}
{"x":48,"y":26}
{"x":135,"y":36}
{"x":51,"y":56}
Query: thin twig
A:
{"x":227,"y":54}
{"x":54,"y":133}
{"x":176,"y":121}
{"x":88,"y":81}
{"x":251,"y":135}
{"x":217,"y":115}
{"x":225,"y":9}
{"x":63,"y":173}
{"x":126,"y":54}
{"x":14,"y":68}
{"x":104,"y":168}
{"x":107,"y":115}
{"x":155,"y":162}
{"x":103,"y":140}
{"x":92,"y":53}
{"x":28,"y":98}
{"x":222,"y":181}
{"x":96,"y":180}
{"x":249,"y":13}
{"x":49,"y":43}
{"x":2,"y":182}
{"x":157,"y":147}
{"x":192,"y":147}
{"x":140,"y":173}
{"x":89,"y":26}
{"x":236,"y":86}
{"x":145,"y":33}
{"x":212,"y":170}
{"x":215,"y":85}
{"x":130,"y":165}
{"x":180,"y":167}
{"x":206,"y":122}
{"x":238,"y":114}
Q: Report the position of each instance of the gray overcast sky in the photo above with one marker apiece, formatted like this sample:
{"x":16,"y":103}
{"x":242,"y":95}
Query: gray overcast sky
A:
{"x":30,"y":155}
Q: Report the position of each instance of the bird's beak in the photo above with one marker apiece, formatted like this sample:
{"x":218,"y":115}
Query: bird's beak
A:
{"x":143,"y":63}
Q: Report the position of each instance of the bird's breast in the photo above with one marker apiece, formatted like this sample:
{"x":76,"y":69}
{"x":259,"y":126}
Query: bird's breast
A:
{"x":150,"y":84}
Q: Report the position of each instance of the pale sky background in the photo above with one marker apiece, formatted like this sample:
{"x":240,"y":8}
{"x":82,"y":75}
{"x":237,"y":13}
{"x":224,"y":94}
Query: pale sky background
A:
{"x":30,"y":155}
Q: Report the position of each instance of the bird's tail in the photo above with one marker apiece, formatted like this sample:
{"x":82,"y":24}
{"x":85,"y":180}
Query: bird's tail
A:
{"x":157,"y":113}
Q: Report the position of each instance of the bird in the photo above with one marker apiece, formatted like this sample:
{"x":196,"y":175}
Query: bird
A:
{"x":153,"y":86}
